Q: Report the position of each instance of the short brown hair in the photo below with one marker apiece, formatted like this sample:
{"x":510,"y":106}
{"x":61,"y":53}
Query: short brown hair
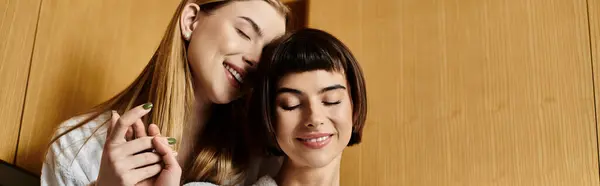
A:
{"x":304,"y":50}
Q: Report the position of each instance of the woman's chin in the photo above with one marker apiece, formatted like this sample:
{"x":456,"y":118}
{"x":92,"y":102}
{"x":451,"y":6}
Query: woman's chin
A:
{"x":220,"y":100}
{"x":224,"y":98}
{"x":317,"y":161}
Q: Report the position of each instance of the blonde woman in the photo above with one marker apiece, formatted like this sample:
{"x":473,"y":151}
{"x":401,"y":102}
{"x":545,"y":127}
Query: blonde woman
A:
{"x":189,"y":89}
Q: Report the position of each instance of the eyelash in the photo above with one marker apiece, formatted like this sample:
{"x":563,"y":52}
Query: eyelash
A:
{"x":331,"y":103}
{"x":242,"y":34}
{"x":290,"y":108}
{"x":324,"y":103}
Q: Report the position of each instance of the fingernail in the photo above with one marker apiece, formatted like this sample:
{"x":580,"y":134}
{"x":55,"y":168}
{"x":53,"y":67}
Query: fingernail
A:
{"x":147,"y":106}
{"x":171,"y":141}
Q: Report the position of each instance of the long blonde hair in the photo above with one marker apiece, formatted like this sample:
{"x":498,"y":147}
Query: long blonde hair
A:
{"x":167,"y":83}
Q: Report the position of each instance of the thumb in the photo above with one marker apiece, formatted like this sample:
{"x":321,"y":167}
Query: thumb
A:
{"x":167,"y":155}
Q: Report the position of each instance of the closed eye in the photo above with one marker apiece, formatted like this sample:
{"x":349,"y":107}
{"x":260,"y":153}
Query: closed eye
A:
{"x":331,"y":103}
{"x":242,"y":34}
{"x":290,"y":108}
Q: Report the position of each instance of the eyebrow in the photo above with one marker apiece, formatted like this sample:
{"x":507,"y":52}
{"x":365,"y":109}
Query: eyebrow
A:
{"x":298,"y":92}
{"x":288,"y":90}
{"x":254,"y":25}
{"x":330,"y":88}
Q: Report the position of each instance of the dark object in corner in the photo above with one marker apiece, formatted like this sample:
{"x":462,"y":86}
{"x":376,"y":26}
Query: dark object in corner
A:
{"x":11,"y":175}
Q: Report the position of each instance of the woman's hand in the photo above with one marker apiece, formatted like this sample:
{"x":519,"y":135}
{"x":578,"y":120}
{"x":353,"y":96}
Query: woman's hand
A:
{"x":171,"y":172}
{"x":122,"y":163}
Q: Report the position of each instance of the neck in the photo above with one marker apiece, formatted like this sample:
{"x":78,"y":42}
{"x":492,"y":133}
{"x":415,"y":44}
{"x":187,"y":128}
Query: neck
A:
{"x":202,"y":108}
{"x":194,"y":129}
{"x":292,"y":174}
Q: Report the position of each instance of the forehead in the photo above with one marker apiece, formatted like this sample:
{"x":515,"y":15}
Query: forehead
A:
{"x":312,"y":81}
{"x":262,"y":13}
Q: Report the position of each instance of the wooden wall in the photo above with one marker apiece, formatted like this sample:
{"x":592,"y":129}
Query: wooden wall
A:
{"x":594,"y":21}
{"x":85,"y":52}
{"x":471,"y":92}
{"x":461,"y":92}
{"x":17,"y":33}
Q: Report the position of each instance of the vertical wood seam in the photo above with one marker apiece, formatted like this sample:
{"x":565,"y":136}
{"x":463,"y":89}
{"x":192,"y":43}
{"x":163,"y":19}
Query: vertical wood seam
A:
{"x":35,"y":33}
{"x":591,"y":50}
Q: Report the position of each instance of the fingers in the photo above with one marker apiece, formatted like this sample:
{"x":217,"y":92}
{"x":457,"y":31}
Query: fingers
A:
{"x":138,"y":175}
{"x":129,"y":134}
{"x":136,"y":146}
{"x":139,"y":129}
{"x":141,"y":160}
{"x":167,"y":154}
{"x":118,"y":132}
{"x":114,"y":117}
{"x":153,"y":130}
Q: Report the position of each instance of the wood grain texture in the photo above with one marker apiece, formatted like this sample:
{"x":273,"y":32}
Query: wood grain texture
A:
{"x":594,"y":21}
{"x":470,"y":92}
{"x":18,"y":21}
{"x":86,"y":51}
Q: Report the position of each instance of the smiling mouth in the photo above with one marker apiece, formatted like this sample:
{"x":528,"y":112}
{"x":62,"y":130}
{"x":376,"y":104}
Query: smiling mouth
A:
{"x":315,"y":141}
{"x":236,"y":75}
{"x":319,"y":139}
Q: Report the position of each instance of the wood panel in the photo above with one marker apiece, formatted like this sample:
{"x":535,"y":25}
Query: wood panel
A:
{"x":594,"y":21}
{"x":470,"y":92}
{"x":86,"y":51}
{"x":18,"y":22}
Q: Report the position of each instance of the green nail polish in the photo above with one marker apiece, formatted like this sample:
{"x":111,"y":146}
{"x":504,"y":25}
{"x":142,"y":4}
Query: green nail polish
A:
{"x":172,"y":141}
{"x":147,"y":106}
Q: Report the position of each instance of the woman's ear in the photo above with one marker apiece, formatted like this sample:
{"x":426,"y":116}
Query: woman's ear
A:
{"x":188,"y":20}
